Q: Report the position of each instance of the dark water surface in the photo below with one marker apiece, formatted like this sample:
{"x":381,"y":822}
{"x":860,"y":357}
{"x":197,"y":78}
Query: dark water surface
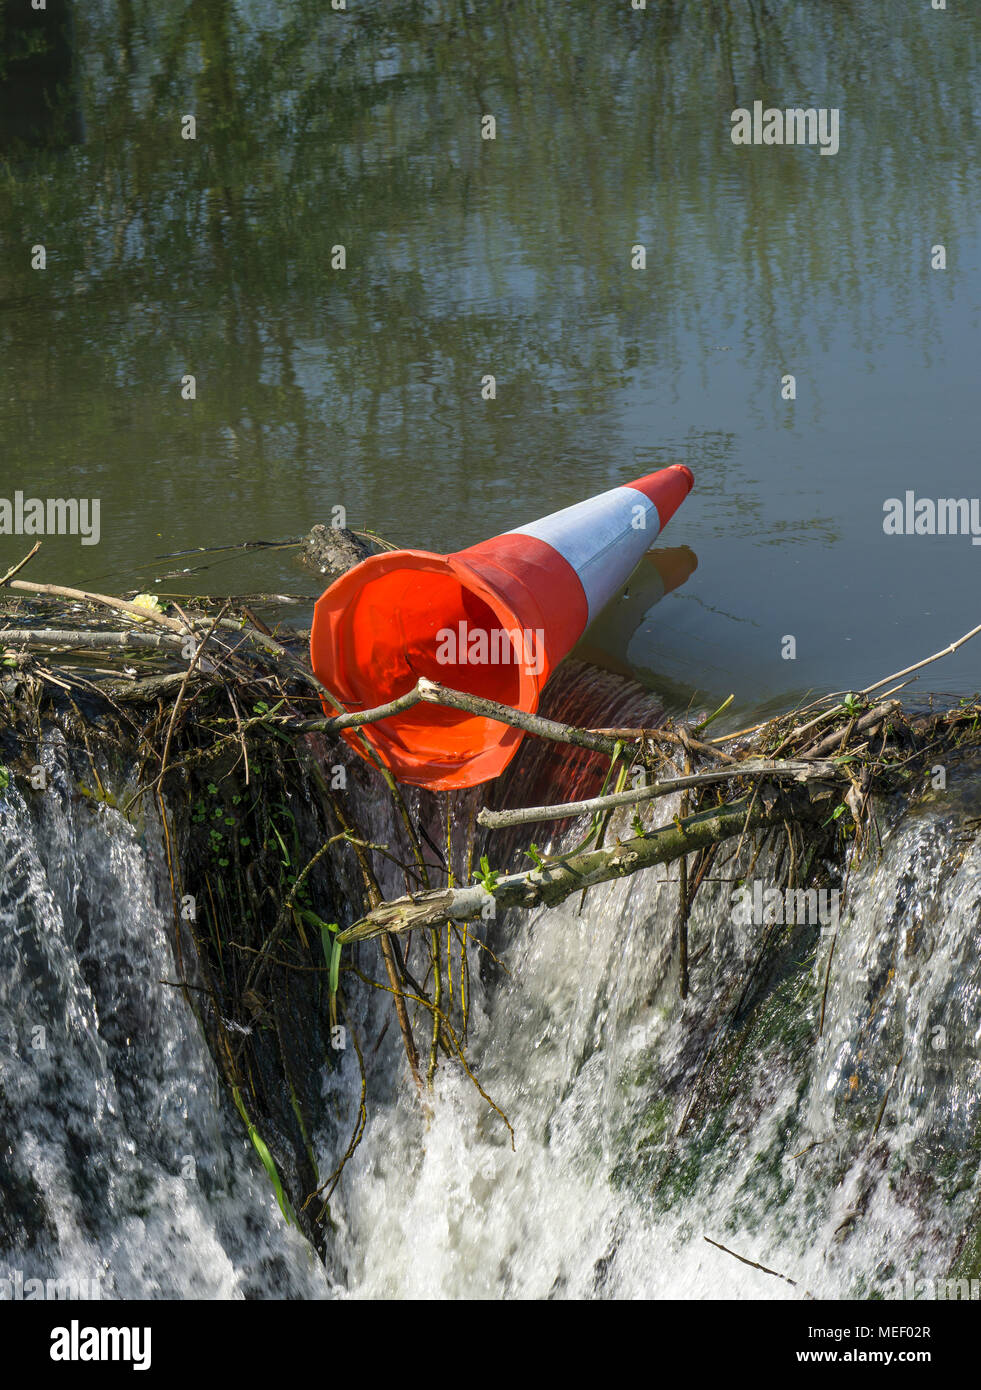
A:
{"x":361,"y":387}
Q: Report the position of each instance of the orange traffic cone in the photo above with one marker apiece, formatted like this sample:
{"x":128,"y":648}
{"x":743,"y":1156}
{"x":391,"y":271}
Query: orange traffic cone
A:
{"x":493,"y":620}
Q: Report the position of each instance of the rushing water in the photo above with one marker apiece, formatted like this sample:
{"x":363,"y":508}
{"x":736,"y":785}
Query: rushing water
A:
{"x":123,"y":1170}
{"x":843,"y":1158}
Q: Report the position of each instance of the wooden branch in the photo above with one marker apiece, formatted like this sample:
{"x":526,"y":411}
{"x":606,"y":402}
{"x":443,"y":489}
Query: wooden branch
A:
{"x":669,"y":736}
{"x":544,"y":887}
{"x":136,"y":691}
{"x":832,"y":742}
{"x":15,"y":569}
{"x":752,"y":1263}
{"x":429,"y":692}
{"x":503,"y":714}
{"x":356,"y":718}
{"x":918,"y":665}
{"x":74,"y":639}
{"x":105,"y":600}
{"x":837,"y":708}
{"x":800,"y":771}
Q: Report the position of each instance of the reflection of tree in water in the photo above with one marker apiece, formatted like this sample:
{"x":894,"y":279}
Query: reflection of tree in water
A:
{"x":317,"y":127}
{"x":38,"y":96}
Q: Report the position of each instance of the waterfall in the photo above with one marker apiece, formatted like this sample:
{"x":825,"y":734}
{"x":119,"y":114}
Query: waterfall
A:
{"x":842,"y":1158}
{"x":124,"y":1173}
{"x":586,"y":1047}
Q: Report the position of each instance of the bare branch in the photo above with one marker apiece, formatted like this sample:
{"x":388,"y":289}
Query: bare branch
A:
{"x":77,"y":640}
{"x":800,"y":771}
{"x":918,"y":666}
{"x":558,"y":878}
{"x":15,"y":569}
{"x":429,"y":692}
{"x":105,"y":600}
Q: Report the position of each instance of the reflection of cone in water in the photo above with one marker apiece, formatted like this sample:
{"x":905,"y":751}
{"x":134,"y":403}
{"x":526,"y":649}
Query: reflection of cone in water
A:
{"x":606,"y":641}
{"x":493,"y":620}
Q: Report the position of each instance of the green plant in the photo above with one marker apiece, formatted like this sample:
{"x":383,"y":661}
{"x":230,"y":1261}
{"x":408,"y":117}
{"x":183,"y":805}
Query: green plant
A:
{"x":487,"y":877}
{"x":267,"y":1161}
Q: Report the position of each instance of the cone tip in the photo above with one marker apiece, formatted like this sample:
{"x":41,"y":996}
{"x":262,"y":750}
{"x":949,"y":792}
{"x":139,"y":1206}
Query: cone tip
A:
{"x":683,"y":468}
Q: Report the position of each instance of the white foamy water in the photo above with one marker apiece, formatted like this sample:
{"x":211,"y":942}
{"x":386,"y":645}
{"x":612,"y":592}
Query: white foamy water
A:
{"x":121,"y":1167}
{"x":588,"y":1050}
{"x":583,"y":1043}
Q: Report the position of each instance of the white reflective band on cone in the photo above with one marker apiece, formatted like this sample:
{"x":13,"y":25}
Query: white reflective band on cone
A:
{"x":601,"y":538}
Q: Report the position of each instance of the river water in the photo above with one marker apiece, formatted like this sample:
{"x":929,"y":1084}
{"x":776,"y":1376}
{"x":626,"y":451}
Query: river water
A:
{"x":360,"y":388}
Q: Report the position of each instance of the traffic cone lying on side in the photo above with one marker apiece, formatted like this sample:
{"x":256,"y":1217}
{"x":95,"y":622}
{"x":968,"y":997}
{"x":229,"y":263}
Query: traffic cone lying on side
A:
{"x":493,"y":620}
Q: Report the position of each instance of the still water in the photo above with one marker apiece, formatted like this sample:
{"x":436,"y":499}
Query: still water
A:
{"x":360,"y":387}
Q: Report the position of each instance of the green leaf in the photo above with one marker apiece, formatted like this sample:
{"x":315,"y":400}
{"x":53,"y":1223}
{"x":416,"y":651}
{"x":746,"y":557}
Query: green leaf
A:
{"x":487,"y":877}
{"x":268,"y":1162}
{"x":335,"y":966}
{"x":282,"y":846}
{"x":326,"y":931}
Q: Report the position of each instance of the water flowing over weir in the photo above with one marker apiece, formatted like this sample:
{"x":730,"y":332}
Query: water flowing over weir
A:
{"x":123,"y":1171}
{"x":589,"y":1052}
{"x":845,"y":1159}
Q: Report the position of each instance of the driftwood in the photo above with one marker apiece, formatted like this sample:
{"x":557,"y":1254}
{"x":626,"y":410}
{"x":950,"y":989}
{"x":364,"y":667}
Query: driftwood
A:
{"x":78,"y":639}
{"x":119,"y":605}
{"x":530,"y":815}
{"x":557,"y":878}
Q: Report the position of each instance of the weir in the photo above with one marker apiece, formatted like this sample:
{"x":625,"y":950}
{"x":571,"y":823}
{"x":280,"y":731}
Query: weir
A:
{"x":812,"y":1105}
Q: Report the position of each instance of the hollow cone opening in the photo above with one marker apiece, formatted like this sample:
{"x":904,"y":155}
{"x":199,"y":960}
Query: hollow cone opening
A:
{"x":406,"y":615}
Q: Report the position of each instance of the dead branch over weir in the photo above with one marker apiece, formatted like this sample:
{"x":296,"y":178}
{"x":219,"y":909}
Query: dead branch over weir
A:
{"x":549,"y":885}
